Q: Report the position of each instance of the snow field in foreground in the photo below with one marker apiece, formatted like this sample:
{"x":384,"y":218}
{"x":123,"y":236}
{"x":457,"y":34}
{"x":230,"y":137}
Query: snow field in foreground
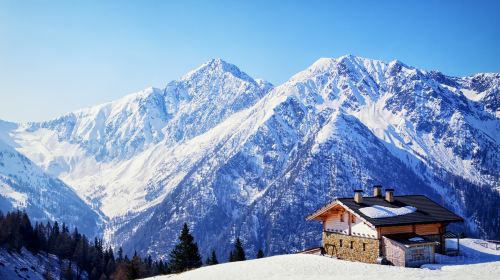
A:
{"x":475,"y":262}
{"x":304,"y":267}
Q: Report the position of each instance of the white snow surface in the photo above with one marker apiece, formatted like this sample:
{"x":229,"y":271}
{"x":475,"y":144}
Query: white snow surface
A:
{"x":313,"y":267}
{"x":26,"y":186}
{"x":378,"y":211}
{"x":17,"y":199}
{"x":26,"y":265}
{"x":472,"y":251}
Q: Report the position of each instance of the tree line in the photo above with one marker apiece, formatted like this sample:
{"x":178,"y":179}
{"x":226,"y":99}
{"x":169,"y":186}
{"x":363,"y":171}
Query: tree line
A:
{"x":186,"y":256}
{"x":93,"y":258}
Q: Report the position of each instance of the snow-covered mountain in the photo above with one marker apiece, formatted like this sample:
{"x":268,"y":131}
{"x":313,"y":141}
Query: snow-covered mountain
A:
{"x":235,"y":156}
{"x":24,"y":185}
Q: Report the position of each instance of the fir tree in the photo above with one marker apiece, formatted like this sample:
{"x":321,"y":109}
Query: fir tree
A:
{"x":212,"y":259}
{"x":238,"y":254}
{"x":185,"y":254}
{"x":120,"y":254}
{"x":136,"y":268}
{"x":163,"y":268}
{"x":260,"y":254}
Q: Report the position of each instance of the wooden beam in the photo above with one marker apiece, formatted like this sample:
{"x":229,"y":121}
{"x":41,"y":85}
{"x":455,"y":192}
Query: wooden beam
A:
{"x":349,"y":221}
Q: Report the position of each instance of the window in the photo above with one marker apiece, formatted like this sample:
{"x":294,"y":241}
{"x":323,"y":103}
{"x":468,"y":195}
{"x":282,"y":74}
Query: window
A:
{"x":417,"y":254}
{"x":342,"y":217}
{"x":364,"y":246}
{"x":340,"y":243}
{"x":352,"y":244}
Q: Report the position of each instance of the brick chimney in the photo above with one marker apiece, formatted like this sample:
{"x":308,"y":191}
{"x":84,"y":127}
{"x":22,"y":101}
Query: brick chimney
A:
{"x":389,"y":195}
{"x":358,"y":196}
{"x":377,"y":191}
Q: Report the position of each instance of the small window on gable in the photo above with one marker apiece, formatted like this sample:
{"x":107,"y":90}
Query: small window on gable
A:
{"x":341,"y":217}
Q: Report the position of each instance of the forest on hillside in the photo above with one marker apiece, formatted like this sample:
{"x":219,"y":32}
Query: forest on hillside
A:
{"x":92,"y":260}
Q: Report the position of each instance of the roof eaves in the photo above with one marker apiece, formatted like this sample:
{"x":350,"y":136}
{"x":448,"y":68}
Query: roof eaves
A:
{"x":321,"y":210}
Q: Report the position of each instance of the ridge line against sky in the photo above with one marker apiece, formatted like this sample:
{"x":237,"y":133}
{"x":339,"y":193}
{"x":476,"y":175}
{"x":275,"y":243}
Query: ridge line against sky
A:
{"x":60,"y":56}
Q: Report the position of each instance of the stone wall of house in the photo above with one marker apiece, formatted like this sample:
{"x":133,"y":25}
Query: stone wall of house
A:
{"x":361,"y":249}
{"x":394,"y":252}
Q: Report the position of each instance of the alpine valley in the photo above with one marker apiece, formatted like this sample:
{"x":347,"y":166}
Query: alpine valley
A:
{"x":235,"y":156}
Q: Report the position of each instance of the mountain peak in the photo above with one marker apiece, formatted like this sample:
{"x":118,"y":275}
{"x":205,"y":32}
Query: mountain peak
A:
{"x":217,"y":61}
{"x":347,"y":57}
{"x":323,"y":65}
{"x":217,"y":66}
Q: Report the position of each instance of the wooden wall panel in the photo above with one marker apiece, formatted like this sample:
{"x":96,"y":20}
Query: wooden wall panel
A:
{"x":427,"y":229}
{"x":396,"y":229}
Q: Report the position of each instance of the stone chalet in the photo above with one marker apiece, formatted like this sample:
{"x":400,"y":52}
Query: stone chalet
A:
{"x":402,"y":230}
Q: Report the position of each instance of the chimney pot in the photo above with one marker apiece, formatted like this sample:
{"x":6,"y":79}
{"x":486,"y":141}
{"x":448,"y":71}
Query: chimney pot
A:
{"x":358,"y":196}
{"x":389,"y":195}
{"x":377,"y":191}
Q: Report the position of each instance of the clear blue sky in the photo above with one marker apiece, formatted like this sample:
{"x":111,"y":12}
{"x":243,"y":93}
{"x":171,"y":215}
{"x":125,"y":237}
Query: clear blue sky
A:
{"x":58,"y":56}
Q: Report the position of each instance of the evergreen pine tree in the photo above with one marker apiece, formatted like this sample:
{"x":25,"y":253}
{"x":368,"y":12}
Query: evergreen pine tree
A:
{"x":120,"y":255}
{"x":136,"y":268}
{"x":212,"y":259}
{"x":238,"y":254}
{"x":260,"y":254}
{"x":185,"y":254}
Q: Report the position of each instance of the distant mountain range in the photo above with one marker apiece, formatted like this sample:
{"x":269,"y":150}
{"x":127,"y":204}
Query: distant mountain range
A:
{"x":236,"y":156}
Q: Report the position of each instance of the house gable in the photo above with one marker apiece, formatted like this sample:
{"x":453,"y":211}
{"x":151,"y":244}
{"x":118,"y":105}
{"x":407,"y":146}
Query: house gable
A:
{"x":340,"y":219}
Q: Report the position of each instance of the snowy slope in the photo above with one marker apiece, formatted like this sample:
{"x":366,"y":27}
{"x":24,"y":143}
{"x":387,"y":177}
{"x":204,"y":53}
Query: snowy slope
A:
{"x":472,"y":251}
{"x":26,"y":265}
{"x":233,"y":156}
{"x":23,"y":185}
{"x":474,"y":262}
{"x":318,"y":268}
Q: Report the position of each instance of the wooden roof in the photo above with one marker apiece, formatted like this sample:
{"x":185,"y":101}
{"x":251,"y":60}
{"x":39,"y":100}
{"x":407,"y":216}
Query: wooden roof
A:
{"x":427,"y":210}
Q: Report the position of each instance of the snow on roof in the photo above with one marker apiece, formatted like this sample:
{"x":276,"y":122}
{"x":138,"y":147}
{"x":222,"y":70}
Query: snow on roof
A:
{"x":416,"y":239}
{"x":378,"y":211}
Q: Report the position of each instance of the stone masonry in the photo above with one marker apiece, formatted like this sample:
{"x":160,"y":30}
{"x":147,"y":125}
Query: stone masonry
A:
{"x":363,"y":249}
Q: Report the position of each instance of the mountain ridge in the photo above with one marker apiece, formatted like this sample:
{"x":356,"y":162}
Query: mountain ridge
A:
{"x":250,"y":158}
